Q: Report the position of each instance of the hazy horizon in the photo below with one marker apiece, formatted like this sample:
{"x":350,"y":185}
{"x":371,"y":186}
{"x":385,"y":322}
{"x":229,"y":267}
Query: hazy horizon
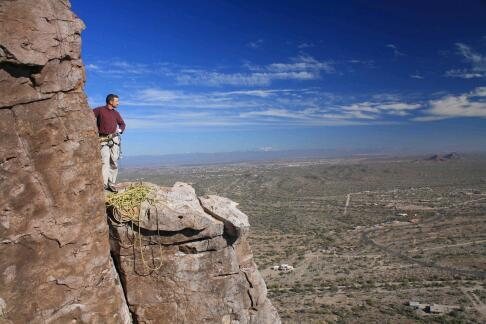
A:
{"x":206,"y":158}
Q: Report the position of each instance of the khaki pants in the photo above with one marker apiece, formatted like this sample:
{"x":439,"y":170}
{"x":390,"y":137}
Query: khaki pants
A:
{"x":109,"y":161}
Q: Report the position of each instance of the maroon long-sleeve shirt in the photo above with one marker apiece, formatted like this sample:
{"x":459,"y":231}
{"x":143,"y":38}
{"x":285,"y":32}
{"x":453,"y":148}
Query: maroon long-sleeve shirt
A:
{"x":107,"y":120}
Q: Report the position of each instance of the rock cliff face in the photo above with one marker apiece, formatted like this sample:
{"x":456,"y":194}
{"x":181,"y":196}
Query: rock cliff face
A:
{"x":187,"y":260}
{"x":55,"y":264}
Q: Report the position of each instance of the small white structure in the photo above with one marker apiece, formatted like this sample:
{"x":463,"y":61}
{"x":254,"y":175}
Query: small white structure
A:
{"x":417,"y":305}
{"x":283,"y":268}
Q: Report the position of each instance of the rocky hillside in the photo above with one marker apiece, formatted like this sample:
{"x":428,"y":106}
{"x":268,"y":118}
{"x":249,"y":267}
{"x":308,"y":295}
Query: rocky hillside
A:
{"x":56,"y":265}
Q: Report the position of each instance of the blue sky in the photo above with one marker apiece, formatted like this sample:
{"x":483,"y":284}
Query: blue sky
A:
{"x":196,"y":76}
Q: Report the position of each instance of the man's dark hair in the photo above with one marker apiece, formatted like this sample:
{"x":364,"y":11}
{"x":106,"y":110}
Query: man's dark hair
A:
{"x":110,"y":97}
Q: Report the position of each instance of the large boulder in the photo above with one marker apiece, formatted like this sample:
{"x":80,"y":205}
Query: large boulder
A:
{"x":180,"y":263}
{"x":55,"y":265}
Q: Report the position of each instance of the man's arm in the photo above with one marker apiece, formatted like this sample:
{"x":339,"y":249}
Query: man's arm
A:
{"x":96,"y":112}
{"x":120,"y":122}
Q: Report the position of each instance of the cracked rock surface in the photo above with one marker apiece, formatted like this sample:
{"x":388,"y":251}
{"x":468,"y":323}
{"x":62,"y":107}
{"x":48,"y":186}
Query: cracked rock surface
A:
{"x":181,"y":263}
{"x":55,"y":265}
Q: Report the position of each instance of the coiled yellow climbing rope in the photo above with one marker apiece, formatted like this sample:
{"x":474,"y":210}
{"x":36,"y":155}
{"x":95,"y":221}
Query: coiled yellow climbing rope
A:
{"x":126,"y":204}
{"x":126,"y":208}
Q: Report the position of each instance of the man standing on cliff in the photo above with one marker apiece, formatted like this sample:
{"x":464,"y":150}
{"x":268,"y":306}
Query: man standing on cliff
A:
{"x":110,"y":126}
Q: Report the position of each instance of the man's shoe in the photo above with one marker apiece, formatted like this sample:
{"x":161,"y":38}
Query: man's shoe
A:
{"x":110,"y":187}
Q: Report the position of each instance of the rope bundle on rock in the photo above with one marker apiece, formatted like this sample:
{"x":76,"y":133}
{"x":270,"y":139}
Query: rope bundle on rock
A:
{"x":126,"y":204}
{"x":126,"y":208}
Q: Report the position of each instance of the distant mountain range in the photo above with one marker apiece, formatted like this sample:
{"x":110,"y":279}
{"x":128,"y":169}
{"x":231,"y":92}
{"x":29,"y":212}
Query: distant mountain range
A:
{"x":229,"y":157}
{"x":188,"y":159}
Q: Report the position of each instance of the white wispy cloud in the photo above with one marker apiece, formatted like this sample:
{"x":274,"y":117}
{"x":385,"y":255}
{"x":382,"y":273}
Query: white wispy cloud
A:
{"x":242,"y":79}
{"x":379,"y":109}
{"x":158,"y":95}
{"x":152,"y":108}
{"x":356,"y":112}
{"x":153,"y":97}
{"x":396,"y":52}
{"x":276,"y":112}
{"x":128,"y":68}
{"x":399,"y":106}
{"x":303,"y":67}
{"x":122,"y":69}
{"x":477,"y":62}
{"x":307,"y":117}
{"x":366,"y":63}
{"x":416,"y":76}
{"x":273,"y":117}
{"x":209,"y":78}
{"x":301,"y":63}
{"x":306,"y":45}
{"x":471,"y":104}
{"x":257,"y":93}
{"x":255,"y":44}
{"x":463,"y":73}
{"x":364,"y":107}
{"x":160,"y":123}
{"x":92,"y":67}
{"x":230,"y":100}
{"x":187,"y":117}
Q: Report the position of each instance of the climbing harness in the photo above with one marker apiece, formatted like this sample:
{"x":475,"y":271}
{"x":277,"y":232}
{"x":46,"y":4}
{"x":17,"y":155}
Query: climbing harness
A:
{"x":109,"y":140}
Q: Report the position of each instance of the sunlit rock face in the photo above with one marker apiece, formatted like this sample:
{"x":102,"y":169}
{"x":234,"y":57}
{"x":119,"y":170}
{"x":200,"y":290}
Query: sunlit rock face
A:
{"x":55,"y":265}
{"x":187,"y":260}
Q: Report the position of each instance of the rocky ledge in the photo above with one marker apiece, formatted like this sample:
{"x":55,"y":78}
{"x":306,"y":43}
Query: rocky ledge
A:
{"x":187,"y":260}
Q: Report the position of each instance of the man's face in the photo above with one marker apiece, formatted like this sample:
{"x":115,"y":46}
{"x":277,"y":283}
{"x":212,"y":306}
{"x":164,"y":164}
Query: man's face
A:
{"x":114,"y":102}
